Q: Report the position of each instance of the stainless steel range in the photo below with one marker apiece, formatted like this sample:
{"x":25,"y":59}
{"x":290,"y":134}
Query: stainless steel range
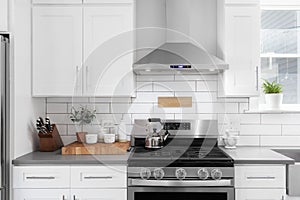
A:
{"x":189,"y":166}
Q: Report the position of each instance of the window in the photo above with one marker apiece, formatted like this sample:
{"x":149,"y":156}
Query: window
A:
{"x":280,"y":51}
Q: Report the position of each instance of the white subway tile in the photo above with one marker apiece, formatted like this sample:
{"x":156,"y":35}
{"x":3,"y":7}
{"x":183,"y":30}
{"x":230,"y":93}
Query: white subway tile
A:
{"x":291,"y":130}
{"x":140,"y":108}
{"x":99,"y":107}
{"x":62,"y":129}
{"x":158,"y":109}
{"x":260,"y":130}
{"x":211,"y":86}
{"x":58,"y":100}
{"x":280,"y":119}
{"x":280,"y":140}
{"x":151,"y":97}
{"x":196,"y":116}
{"x":175,"y":86}
{"x":60,"y":118}
{"x":199,"y":96}
{"x":72,"y":129}
{"x":57,"y":108}
{"x":92,"y":129}
{"x":144,"y":86}
{"x":155,"y":78}
{"x":217,"y":107}
{"x":250,"y":118}
{"x":109,"y":100}
{"x":248,"y":141}
{"x":233,"y":100}
{"x":116,"y":118}
{"x":196,"y":77}
{"x":151,"y":115}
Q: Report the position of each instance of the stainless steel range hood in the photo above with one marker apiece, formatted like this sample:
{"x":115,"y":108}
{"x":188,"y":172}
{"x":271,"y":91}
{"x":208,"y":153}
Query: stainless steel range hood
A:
{"x":179,"y":58}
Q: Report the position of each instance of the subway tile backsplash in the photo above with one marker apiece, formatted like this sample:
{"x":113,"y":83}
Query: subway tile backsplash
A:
{"x":253,"y":129}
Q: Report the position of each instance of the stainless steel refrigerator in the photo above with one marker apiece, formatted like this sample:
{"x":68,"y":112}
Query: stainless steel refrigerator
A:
{"x":5,"y":116}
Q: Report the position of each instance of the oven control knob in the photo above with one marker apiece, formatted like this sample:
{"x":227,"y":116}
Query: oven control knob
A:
{"x":203,"y":174}
{"x":158,"y":173}
{"x":180,"y":173}
{"x":145,"y":173}
{"x":216,"y":174}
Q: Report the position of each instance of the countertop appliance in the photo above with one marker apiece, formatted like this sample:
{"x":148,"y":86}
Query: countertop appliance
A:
{"x":293,"y":171}
{"x":4,"y":118}
{"x":189,"y":165}
{"x":179,"y":58}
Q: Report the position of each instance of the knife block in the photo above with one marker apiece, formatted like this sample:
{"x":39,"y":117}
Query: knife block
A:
{"x":51,"y":141}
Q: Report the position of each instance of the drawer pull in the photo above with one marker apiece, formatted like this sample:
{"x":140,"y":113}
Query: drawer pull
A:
{"x":40,"y":177}
{"x":98,"y":177}
{"x":261,"y":177}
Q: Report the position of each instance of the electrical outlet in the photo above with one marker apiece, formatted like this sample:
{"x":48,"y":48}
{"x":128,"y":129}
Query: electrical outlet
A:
{"x":234,"y":123}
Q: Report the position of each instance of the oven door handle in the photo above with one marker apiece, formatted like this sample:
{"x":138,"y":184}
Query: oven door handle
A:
{"x":179,"y":183}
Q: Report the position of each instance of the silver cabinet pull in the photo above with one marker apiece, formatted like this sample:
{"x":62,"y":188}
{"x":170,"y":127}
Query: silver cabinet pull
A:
{"x":86,"y":78}
{"x":261,"y":177}
{"x":98,"y":177}
{"x":40,"y":177}
{"x":257,"y":81}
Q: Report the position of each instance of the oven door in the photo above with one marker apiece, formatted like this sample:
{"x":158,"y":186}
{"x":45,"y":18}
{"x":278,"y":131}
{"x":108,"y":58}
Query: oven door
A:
{"x":180,"y":193}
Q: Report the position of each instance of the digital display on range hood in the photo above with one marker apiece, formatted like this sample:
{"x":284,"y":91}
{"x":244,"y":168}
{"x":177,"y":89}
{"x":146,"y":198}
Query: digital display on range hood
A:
{"x":180,"y":66}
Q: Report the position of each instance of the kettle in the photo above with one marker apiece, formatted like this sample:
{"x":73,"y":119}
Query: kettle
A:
{"x":154,"y":139}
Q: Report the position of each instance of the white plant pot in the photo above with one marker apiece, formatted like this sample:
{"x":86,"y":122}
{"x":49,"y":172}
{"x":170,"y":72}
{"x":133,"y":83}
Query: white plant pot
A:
{"x":274,"y":101}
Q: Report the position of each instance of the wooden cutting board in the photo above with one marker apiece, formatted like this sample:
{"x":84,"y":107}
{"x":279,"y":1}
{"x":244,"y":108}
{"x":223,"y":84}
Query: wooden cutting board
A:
{"x":76,"y":148}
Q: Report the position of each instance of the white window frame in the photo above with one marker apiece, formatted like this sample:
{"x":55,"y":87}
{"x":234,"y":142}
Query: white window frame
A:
{"x":254,"y":103}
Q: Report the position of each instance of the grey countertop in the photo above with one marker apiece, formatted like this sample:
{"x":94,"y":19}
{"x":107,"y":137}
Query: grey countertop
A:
{"x":241,"y":155}
{"x":257,"y":155}
{"x":55,"y":158}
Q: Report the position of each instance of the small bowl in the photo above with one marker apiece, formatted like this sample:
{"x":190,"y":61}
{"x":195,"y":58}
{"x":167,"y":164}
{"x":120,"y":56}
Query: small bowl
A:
{"x":109,"y":138}
{"x":91,"y":138}
{"x":230,"y":142}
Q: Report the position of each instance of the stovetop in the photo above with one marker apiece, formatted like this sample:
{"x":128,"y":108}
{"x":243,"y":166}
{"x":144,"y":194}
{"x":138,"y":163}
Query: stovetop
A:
{"x":180,"y":157}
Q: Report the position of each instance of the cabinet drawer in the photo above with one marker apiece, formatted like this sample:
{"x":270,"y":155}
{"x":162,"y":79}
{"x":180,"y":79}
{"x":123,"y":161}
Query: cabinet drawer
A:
{"x":57,"y":2}
{"x":99,"y":177}
{"x":259,"y":194}
{"x":260,"y":176}
{"x":41,"y":177}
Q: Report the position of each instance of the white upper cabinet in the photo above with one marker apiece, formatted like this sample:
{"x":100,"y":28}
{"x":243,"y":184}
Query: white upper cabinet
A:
{"x":108,"y":50}
{"x":3,"y":15}
{"x":83,"y":51}
{"x":239,"y":46}
{"x":57,"y":51}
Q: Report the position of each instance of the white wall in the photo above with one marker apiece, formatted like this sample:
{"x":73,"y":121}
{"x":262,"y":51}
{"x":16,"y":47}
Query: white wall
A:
{"x":25,"y":108}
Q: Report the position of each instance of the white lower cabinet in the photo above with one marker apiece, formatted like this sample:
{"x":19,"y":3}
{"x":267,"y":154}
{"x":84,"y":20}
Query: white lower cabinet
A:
{"x":259,"y":194}
{"x":41,"y":194}
{"x":260,"y":182}
{"x":99,"y":194}
{"x":55,"y":183}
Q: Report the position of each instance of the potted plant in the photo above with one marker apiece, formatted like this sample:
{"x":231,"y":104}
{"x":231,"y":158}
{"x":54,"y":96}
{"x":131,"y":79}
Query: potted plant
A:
{"x":273,"y":94}
{"x":82,"y":116}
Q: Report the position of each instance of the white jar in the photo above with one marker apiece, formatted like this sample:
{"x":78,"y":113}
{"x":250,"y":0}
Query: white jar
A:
{"x":91,"y":138}
{"x":109,"y":138}
{"x":122,"y":131}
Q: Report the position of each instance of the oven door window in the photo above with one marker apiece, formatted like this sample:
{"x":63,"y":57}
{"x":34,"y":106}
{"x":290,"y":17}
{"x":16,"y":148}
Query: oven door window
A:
{"x":179,"y":196}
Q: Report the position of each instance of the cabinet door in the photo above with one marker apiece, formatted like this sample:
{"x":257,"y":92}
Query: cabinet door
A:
{"x":108,"y":46}
{"x":41,"y":194}
{"x":57,"y":51}
{"x":242,"y":50}
{"x":99,"y":194}
{"x":3,"y":15}
{"x":259,"y":194}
